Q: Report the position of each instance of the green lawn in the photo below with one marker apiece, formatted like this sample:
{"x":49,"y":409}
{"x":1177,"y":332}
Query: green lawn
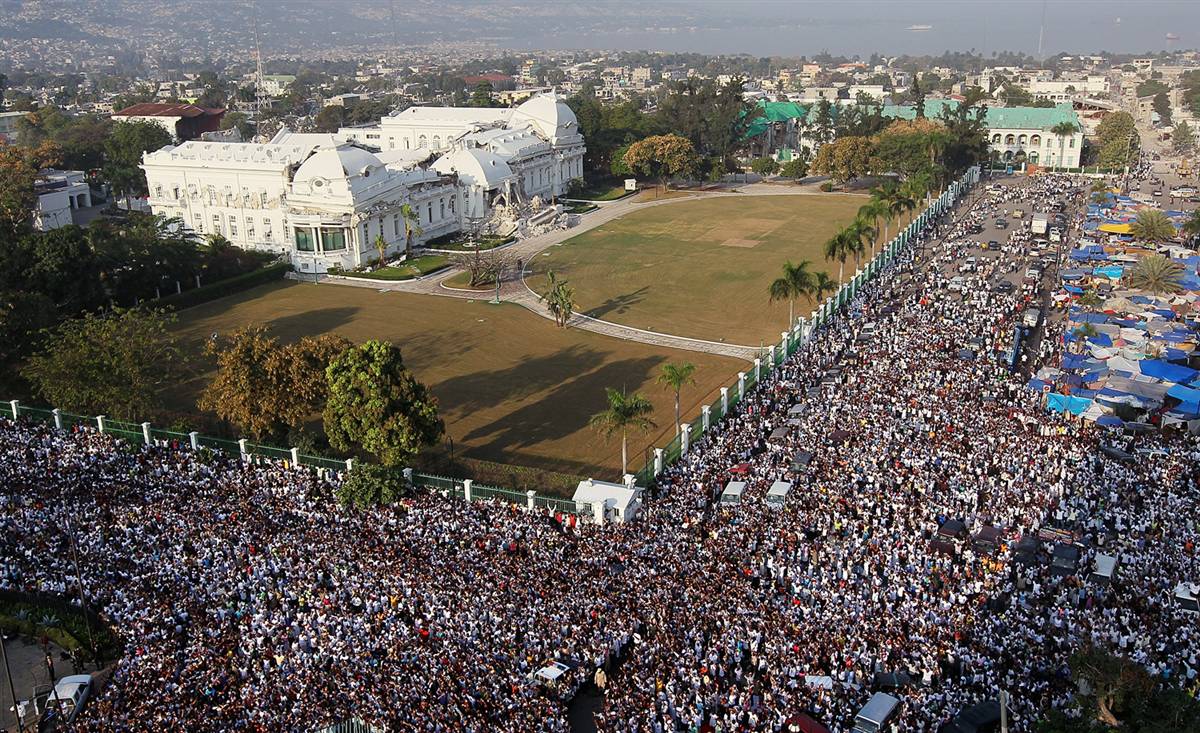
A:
{"x":608,"y":189}
{"x":513,"y":387}
{"x":458,"y":243}
{"x":418,"y":266}
{"x":700,"y":267}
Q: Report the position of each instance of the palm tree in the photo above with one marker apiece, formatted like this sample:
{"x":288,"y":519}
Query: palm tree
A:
{"x":381,"y":248}
{"x":823,"y":285}
{"x":1158,"y":274}
{"x":860,"y":232}
{"x":625,"y":412}
{"x":1090,"y":299}
{"x":876,"y":210}
{"x":412,"y":228}
{"x":795,"y":282}
{"x":1063,"y":130}
{"x":1191,"y":227}
{"x":675,"y":376}
{"x":839,"y":247}
{"x":1153,"y":226}
{"x":559,"y":298}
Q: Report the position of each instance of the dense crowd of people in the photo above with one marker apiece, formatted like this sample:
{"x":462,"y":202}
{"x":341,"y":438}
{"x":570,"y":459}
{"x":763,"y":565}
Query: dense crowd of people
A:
{"x":249,"y":601}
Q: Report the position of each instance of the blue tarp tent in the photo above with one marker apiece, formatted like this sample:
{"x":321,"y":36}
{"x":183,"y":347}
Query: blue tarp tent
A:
{"x":1110,"y":421}
{"x":1067,"y":403}
{"x":1073,"y":290}
{"x":1166,"y":371}
{"x":1112,"y":272}
{"x":1100,"y":340}
{"x":1189,"y":398}
{"x":1081,"y":317}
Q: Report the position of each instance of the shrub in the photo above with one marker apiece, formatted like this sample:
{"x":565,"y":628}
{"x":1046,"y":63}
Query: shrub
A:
{"x":369,"y":484}
{"x":826,"y":186}
{"x":228,"y":286}
{"x":794,"y":169}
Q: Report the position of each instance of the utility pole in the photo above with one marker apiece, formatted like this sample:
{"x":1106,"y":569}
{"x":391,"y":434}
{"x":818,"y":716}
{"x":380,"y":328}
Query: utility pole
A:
{"x":260,"y":95}
{"x":1003,"y":712}
{"x":12,"y":692}
{"x":82,"y":603}
{"x":1042,"y":31}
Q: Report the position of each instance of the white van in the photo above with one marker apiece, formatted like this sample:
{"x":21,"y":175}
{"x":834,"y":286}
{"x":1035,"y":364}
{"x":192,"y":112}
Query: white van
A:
{"x":1104,"y":567}
{"x":875,"y":715}
{"x":69,"y":696}
{"x":777,"y":494}
{"x":732,"y":495}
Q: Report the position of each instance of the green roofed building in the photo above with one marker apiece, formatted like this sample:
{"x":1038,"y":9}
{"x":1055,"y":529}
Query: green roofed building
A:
{"x":1018,"y":134}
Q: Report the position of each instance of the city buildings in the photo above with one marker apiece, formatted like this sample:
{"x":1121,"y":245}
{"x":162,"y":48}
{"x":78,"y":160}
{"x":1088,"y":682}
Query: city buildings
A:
{"x":60,"y":195}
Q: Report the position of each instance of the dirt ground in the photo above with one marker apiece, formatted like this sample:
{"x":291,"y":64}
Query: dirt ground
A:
{"x":700,"y":267}
{"x":513,"y":387}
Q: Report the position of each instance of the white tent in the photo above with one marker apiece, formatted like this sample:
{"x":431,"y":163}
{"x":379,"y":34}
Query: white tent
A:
{"x":621,"y":503}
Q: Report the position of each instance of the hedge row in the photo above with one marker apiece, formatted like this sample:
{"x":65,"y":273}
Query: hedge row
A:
{"x":221,"y":288}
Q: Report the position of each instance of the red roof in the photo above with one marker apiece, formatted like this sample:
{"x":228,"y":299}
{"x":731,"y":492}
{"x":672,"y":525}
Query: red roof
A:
{"x":177,"y":109}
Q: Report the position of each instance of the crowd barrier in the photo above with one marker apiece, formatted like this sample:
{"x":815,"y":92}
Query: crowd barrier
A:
{"x":146,"y":434}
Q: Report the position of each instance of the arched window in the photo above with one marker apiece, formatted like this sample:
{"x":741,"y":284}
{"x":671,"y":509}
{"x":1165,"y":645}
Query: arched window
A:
{"x":437,"y":142}
{"x":1008,"y":155}
{"x":1033,"y":157}
{"x":421,"y":142}
{"x":1010,"y":139}
{"x":996,"y":138}
{"x":1035,"y":140}
{"x":1023,"y":139}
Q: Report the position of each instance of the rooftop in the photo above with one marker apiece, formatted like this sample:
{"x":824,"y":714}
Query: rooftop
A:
{"x":173,"y":109}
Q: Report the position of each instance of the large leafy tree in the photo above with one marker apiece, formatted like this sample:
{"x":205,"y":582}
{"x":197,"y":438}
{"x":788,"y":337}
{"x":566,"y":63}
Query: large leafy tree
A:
{"x":844,"y":159}
{"x":115,"y":363}
{"x":662,"y":157}
{"x":376,"y":406}
{"x":1117,"y":140}
{"x":19,"y":168}
{"x":22,"y":316}
{"x":625,"y":413}
{"x":1154,"y":226}
{"x":123,"y":154}
{"x":264,"y":387}
{"x":1183,"y":139}
{"x":1191,"y":225}
{"x":713,"y":117}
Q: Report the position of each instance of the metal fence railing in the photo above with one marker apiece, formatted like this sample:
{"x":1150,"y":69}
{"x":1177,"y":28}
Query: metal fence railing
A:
{"x":146,"y":434}
{"x":804,"y":329}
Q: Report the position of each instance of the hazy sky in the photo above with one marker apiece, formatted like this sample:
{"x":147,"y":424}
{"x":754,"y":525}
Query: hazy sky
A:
{"x":796,"y":27}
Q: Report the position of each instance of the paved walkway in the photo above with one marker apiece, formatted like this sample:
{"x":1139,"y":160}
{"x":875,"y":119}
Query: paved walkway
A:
{"x":516,"y":291}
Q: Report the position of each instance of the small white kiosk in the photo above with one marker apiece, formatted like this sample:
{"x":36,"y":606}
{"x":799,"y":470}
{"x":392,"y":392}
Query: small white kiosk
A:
{"x":619,"y":502}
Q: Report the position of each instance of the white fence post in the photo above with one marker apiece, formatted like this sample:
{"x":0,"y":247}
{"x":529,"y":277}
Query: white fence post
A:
{"x":15,"y":404}
{"x":146,"y":433}
{"x":467,"y":489}
{"x":529,"y":499}
{"x":100,"y":422}
{"x":684,"y":438}
{"x":349,"y":464}
{"x":757,"y":369}
{"x":705,"y":416}
{"x":295,"y":456}
{"x":724,"y":400}
{"x":658,"y":461}
{"x":195,"y":437}
{"x":57,"y":418}
{"x":408,"y":476}
{"x":242,"y":447}
{"x":741,"y":385}
{"x":783,"y":341}
{"x":771,"y":358}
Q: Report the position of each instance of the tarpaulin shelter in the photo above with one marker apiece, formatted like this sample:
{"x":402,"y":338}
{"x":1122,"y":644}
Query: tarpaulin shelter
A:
{"x":1166,"y":371}
{"x":1115,"y":228}
{"x":1189,"y":399}
{"x":1067,"y":403}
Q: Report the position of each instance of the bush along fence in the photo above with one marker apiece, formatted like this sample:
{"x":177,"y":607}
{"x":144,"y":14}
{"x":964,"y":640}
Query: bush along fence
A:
{"x":802,"y":331}
{"x":146,"y":434}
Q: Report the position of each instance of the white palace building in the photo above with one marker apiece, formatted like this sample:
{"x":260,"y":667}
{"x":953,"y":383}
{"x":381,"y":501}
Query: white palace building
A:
{"x":323,"y":199}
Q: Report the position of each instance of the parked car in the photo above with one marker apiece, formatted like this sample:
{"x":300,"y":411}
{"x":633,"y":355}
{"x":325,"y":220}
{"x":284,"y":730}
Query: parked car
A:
{"x":956,"y":284}
{"x":1002,"y":223}
{"x":69,"y":696}
{"x":968,"y":265}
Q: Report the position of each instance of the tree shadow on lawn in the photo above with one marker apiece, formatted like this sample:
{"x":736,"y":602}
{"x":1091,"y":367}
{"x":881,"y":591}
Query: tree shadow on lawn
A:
{"x":310,"y":323}
{"x":485,"y":391}
{"x":562,"y":412}
{"x":620,"y":303}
